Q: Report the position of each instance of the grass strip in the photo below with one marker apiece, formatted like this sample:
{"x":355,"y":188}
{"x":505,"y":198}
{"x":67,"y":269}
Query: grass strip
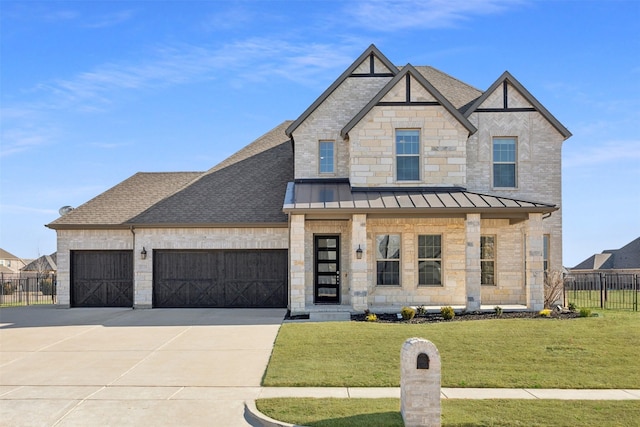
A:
{"x":455,"y":413}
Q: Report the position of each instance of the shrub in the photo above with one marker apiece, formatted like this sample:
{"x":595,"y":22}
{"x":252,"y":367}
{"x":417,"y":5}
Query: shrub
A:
{"x":447,"y":313}
{"x":371,"y":317}
{"x":545,"y":313}
{"x":8,"y":288}
{"x":498,"y":310}
{"x":408,"y":313}
{"x":47,"y":287}
{"x":585,"y":312}
{"x":553,"y":287}
{"x":572,"y":306}
{"x":421,"y":310}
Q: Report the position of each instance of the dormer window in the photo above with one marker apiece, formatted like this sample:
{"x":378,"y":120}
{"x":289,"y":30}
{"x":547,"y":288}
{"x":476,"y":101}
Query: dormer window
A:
{"x":408,"y":155}
{"x":326,"y":157}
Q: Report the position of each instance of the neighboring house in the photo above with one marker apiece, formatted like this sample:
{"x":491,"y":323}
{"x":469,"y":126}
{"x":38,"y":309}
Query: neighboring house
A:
{"x":46,"y":264}
{"x":10,"y":263}
{"x":625,"y":259}
{"x":397,"y":186}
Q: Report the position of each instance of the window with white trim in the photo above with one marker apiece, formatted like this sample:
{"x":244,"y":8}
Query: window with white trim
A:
{"x":326,"y":157}
{"x":504,"y":162}
{"x":407,"y":155}
{"x":488,"y":260}
{"x":430,"y":259}
{"x":388,"y":259}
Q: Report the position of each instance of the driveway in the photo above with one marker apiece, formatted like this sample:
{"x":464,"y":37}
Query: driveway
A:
{"x":124,"y":367}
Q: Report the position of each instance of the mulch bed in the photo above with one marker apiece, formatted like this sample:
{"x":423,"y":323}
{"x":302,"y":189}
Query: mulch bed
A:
{"x":461,"y":317}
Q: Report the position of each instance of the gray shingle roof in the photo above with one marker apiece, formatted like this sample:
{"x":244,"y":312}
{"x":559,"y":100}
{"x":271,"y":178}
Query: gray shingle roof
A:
{"x":126,"y":200}
{"x":627,"y":257}
{"x":460,"y":94}
{"x":247,"y":192}
{"x":247,"y":187}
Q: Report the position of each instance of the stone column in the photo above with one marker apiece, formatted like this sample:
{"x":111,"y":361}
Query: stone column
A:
{"x":534,"y":263}
{"x":358,"y":267}
{"x":472,"y":229}
{"x":142,"y":274}
{"x":296,"y":264}
{"x":420,"y":371}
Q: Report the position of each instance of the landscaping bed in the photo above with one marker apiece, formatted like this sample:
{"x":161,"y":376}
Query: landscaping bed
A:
{"x":466,"y":316}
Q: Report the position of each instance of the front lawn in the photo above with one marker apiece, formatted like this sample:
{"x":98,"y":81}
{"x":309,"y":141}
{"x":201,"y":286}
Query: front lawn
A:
{"x":467,"y":413}
{"x":597,"y":352}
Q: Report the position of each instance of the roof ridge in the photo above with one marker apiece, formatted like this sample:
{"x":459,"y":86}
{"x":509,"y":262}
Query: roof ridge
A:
{"x":450,"y":76}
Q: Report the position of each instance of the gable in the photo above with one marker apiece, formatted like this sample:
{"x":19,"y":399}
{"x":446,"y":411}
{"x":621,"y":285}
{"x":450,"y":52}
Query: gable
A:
{"x":409,"y":88}
{"x":371,"y":63}
{"x":508,"y":95}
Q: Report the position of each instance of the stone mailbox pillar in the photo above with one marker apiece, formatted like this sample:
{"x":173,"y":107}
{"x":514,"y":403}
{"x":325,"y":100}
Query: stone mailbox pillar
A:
{"x":420,"y":383}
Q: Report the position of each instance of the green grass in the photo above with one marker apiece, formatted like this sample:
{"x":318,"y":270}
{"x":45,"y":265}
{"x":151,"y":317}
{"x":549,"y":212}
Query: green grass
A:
{"x":597,"y":352}
{"x":461,"y":413}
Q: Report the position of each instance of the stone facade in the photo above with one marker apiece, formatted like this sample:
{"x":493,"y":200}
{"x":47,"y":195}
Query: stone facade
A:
{"x":157,"y":238}
{"x":450,"y":156}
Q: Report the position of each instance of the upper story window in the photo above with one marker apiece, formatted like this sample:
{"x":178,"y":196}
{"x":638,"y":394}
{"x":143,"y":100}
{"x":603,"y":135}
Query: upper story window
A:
{"x":504,"y":162}
{"x":326,"y":157}
{"x":388,"y":259}
{"x":408,"y":155}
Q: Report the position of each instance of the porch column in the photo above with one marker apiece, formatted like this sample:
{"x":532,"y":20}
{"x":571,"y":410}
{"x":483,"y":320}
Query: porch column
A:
{"x":534,"y":263}
{"x":358,"y":267}
{"x":472,"y":229}
{"x":296,"y":264}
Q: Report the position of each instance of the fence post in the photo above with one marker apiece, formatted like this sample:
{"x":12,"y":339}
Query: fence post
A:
{"x":635,"y":293}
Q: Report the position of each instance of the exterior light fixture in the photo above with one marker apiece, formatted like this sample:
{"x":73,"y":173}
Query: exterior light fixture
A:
{"x":143,"y":253}
{"x":359,"y":252}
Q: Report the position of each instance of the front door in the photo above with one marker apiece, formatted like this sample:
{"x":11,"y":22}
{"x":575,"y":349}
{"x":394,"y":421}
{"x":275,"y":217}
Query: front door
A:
{"x":327,"y":269}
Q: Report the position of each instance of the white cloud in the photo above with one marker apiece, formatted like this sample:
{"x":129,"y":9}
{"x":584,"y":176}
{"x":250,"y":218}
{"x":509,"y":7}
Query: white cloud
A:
{"x":394,"y":15}
{"x":607,"y":153}
{"x":109,"y":20}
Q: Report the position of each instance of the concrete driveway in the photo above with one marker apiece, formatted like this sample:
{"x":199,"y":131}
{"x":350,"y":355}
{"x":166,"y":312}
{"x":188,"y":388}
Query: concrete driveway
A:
{"x":124,"y":367}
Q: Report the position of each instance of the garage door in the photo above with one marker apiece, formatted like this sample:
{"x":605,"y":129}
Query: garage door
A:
{"x":229,"y":278}
{"x":101,"y":278}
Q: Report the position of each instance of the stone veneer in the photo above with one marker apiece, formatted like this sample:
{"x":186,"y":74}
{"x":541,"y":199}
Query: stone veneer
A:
{"x":158,"y":238}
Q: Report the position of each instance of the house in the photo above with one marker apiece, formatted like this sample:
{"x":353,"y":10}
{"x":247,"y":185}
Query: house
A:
{"x":46,"y":264}
{"x":623,"y":260}
{"x":9,"y":263}
{"x":397,"y":186}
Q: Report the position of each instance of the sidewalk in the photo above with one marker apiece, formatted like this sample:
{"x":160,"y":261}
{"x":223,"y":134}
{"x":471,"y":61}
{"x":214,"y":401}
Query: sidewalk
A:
{"x":452,"y":393}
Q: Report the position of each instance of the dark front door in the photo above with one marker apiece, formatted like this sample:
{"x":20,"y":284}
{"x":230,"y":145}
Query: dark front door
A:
{"x":101,"y":278}
{"x":327,"y":269}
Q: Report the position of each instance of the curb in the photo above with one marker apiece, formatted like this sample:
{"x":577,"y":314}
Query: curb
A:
{"x":258,"y":419}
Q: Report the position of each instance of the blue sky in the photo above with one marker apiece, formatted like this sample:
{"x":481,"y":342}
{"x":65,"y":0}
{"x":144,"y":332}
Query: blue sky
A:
{"x":95,"y":91}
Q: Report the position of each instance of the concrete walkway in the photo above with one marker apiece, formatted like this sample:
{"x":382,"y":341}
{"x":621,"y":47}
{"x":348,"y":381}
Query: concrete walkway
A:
{"x":162,"y":367}
{"x":123,"y":367}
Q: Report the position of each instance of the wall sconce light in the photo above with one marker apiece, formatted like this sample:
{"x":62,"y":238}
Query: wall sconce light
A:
{"x":359,"y":252}
{"x":143,"y":253}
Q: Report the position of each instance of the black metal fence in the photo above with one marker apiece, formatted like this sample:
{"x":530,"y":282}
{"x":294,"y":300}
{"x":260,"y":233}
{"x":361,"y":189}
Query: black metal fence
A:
{"x":27,"y":289}
{"x":618,"y":291}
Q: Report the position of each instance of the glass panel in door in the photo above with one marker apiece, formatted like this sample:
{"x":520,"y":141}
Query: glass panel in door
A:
{"x":327,"y":270}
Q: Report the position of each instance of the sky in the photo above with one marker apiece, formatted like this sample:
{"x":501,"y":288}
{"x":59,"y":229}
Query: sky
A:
{"x":92,"y":92}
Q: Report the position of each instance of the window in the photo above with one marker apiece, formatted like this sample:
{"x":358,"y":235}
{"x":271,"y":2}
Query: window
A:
{"x":430,"y":260}
{"x":545,"y":251}
{"x":504,"y":162}
{"x":408,"y":155}
{"x":487,"y":260}
{"x":326,"y":157}
{"x":388,"y":259}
